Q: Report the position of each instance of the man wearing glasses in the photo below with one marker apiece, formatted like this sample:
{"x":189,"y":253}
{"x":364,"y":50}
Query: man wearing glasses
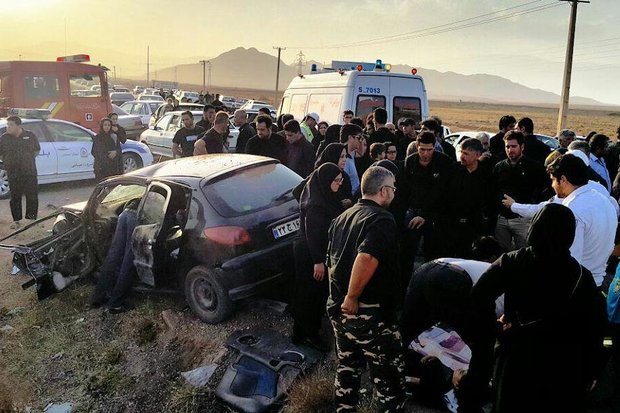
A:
{"x":364,"y":289}
{"x":350,"y":135}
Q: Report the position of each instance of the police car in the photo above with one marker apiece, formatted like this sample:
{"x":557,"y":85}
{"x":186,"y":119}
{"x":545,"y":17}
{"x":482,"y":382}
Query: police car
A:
{"x":65,"y":149}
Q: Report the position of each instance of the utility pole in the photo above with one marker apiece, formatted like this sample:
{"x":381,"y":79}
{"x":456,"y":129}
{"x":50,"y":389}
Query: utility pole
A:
{"x":568,"y":65}
{"x":208,"y":76}
{"x":275,"y":94}
{"x":148,"y":65}
{"x":114,"y":72}
{"x":300,"y":63}
{"x":204,"y":65}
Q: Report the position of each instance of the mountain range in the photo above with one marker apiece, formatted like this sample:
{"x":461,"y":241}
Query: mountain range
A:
{"x":252,"y":69}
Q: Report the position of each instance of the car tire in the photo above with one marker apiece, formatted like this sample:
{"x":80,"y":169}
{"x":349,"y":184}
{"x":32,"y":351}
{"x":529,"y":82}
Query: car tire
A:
{"x":5,"y":191}
{"x":206,"y":296}
{"x":131,"y":162}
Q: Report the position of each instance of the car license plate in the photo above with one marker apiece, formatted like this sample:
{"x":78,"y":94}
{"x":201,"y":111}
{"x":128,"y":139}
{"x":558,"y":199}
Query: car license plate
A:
{"x":286,"y":228}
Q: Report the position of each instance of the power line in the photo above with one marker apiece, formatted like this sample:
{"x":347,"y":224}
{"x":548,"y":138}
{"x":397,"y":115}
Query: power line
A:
{"x":443,"y":28}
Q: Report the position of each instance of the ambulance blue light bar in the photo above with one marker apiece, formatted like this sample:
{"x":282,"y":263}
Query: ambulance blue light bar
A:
{"x":29,"y":113}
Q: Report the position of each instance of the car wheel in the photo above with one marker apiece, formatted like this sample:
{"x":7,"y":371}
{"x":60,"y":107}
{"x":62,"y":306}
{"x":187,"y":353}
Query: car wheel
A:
{"x":206,"y":296}
{"x":131,"y":162}
{"x":5,"y":191}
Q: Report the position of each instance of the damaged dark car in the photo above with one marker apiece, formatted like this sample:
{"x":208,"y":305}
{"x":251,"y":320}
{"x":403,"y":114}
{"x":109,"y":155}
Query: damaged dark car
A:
{"x":217,"y":228}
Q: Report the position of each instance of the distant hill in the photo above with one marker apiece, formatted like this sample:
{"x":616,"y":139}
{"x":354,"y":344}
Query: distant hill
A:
{"x":252,"y":69}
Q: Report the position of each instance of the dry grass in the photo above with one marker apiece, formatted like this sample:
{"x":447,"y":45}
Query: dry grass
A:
{"x":460,"y":116}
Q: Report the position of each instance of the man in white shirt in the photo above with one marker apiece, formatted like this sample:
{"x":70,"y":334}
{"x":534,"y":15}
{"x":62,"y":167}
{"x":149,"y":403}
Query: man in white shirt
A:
{"x":595,"y":216}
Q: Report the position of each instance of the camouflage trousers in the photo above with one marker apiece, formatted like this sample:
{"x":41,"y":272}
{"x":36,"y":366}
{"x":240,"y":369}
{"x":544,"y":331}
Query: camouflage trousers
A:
{"x":366,"y":338}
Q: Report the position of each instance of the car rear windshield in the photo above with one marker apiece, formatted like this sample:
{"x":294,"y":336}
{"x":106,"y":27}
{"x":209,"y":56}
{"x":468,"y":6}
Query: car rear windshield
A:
{"x":251,"y":189}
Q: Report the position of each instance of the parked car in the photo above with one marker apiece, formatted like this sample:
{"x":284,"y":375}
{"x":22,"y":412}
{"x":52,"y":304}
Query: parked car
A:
{"x":65,"y":152}
{"x":256,"y":105}
{"x":456,"y":138}
{"x":192,"y":97}
{"x":132,"y":123}
{"x":230,"y":102}
{"x":159,"y":137}
{"x":118,"y":98}
{"x":182,"y":106}
{"x":550,"y":141}
{"x":217,"y":228}
{"x":144,"y":109}
{"x":151,"y":97}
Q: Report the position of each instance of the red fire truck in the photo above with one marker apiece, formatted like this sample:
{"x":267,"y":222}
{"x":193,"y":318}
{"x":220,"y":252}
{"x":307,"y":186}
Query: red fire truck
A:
{"x":69,"y":88}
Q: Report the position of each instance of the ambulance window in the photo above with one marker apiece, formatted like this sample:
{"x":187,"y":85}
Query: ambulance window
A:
{"x":407,"y":107}
{"x":285,"y":105}
{"x":298,"y":106}
{"x":368,"y":103}
{"x":41,"y":87}
{"x":327,"y":105}
{"x":82,"y":85}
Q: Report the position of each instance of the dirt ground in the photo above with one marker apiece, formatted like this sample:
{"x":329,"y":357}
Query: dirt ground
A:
{"x":461,"y":116}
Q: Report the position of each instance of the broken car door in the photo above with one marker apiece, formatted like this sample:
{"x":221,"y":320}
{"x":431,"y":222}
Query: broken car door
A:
{"x":158,"y":230}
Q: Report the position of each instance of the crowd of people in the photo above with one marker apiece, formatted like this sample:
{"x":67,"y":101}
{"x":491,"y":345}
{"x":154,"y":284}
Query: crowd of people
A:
{"x":508,"y":245}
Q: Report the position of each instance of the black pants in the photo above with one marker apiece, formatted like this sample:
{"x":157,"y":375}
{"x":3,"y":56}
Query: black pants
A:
{"x":310,"y":295}
{"x":20,"y":186}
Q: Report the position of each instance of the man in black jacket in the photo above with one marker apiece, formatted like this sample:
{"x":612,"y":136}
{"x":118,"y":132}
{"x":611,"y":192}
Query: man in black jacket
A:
{"x":427,"y":174}
{"x":18,"y":149}
{"x":470,"y":203}
{"x":520,"y":178}
{"x":266,"y":142}
{"x":533,"y":149}
{"x":431,"y":125}
{"x":381,"y":134}
{"x":246,"y":131}
{"x":299,"y":152}
{"x":506,"y":123}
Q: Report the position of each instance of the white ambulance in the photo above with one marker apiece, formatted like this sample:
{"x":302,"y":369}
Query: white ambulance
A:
{"x":360,"y":87}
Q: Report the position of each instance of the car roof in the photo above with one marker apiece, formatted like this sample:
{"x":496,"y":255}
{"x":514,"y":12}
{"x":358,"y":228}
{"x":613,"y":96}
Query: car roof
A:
{"x":202,"y":166}
{"x":26,"y":121}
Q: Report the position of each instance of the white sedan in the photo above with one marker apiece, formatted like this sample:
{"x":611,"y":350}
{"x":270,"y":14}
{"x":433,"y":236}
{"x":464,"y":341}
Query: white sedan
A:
{"x":145,"y":109}
{"x":159,"y":136}
{"x":65,"y":152}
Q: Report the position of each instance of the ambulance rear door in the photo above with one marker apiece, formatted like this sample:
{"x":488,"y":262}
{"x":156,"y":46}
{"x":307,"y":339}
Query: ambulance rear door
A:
{"x":371,"y":91}
{"x":407,"y":98}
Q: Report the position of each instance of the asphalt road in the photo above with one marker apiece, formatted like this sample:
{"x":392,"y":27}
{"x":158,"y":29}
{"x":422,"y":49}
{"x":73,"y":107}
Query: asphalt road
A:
{"x":51,"y":196}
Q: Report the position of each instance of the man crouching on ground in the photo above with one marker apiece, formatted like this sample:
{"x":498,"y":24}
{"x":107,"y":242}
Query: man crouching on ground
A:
{"x":363,"y":284}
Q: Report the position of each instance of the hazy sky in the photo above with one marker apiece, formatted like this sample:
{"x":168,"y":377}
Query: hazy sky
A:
{"x":522,"y":40}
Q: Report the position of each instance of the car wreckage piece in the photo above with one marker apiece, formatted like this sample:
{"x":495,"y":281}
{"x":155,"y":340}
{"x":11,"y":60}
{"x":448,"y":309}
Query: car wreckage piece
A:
{"x":54,"y":261}
{"x":262,"y":374}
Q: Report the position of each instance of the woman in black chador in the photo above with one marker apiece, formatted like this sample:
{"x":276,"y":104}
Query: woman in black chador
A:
{"x":551,"y":335}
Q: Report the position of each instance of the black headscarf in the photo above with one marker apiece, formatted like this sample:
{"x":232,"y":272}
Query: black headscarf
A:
{"x":317,"y":191}
{"x":331,"y":153}
{"x":552,"y":231}
{"x":389,"y":165}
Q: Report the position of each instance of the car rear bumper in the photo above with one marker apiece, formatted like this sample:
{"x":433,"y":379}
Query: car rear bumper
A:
{"x":251,"y":273}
